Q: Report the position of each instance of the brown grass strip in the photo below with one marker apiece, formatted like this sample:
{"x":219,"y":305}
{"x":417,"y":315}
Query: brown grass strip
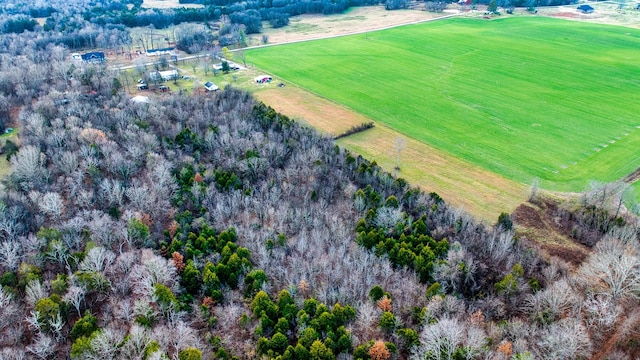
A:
{"x":480,"y":192}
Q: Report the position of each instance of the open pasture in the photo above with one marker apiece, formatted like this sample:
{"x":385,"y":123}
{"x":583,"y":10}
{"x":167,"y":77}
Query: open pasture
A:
{"x":525,"y":97}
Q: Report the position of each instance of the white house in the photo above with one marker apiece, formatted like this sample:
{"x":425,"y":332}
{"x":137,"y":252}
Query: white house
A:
{"x":164,"y":75}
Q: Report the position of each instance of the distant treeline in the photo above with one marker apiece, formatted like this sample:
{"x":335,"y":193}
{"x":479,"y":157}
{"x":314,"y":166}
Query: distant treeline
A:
{"x":250,"y":13}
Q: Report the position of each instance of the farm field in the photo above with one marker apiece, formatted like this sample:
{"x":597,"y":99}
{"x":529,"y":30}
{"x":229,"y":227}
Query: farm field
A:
{"x":354,"y":20}
{"x":479,"y":192}
{"x":523,"y":97}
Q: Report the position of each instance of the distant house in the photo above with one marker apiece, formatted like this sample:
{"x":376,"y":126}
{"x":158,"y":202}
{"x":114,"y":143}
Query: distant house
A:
{"x":158,"y":52}
{"x":93,"y":57}
{"x":164,"y":75}
{"x":262,"y":79}
{"x":585,"y":9}
{"x":211,"y":86}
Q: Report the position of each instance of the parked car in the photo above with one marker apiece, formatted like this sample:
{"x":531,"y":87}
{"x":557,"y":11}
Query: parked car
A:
{"x":142,"y":86}
{"x":263,"y":79}
{"x":164,"y":88}
{"x":211,"y":86}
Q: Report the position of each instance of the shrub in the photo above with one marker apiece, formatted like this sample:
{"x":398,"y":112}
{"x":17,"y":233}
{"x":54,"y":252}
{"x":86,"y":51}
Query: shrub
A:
{"x":433,"y":290}
{"x":505,"y":222}
{"x":85,"y":326}
{"x":79,"y":347}
{"x":384,"y":304}
{"x":379,"y":351}
{"x":165,"y":297}
{"x":191,"y":278}
{"x":278,"y":343}
{"x":410,"y":337}
{"x":319,"y":351}
{"x":48,"y":310}
{"x":190,"y":354}
{"x":507,"y":285}
{"x":262,"y":303}
{"x":26,"y":273}
{"x":355,"y":129}
{"x":9,"y":278}
{"x":388,"y":322}
{"x":376,"y":293}
{"x":10,"y":149}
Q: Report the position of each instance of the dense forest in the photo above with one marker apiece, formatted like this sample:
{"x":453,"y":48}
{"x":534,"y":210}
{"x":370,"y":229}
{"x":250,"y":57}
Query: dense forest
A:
{"x":208,"y":226}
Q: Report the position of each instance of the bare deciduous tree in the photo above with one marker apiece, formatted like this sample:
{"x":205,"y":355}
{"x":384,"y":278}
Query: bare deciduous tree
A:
{"x":615,"y":266}
{"x":97,"y":260}
{"x":138,"y":340}
{"x":601,"y":312}
{"x":34,"y":291}
{"x":58,"y":252}
{"x":56,"y":324}
{"x":52,"y":204}
{"x":440,"y":340}
{"x":388,"y":217}
{"x":10,"y":254}
{"x":42,"y":347}
{"x":457,"y":271}
{"x":565,"y":339}
{"x":11,"y":222}
{"x":28,"y":167}
{"x":399,"y":145}
{"x":553,"y":302}
{"x":75,"y":296}
{"x":105,"y":344}
{"x":9,"y":353}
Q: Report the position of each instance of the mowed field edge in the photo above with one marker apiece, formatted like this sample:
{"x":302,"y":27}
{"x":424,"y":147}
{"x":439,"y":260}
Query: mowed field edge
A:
{"x":525,"y":97}
{"x":479,"y":192}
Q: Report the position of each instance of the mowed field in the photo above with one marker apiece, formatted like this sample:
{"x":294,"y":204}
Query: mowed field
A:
{"x":523,"y":97}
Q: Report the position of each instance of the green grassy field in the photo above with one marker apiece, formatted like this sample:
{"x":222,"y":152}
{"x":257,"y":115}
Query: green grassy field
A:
{"x":525,"y":97}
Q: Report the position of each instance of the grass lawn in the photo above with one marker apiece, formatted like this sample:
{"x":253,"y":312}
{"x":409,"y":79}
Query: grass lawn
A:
{"x":524,"y":97}
{"x":632,"y":197}
{"x":5,"y":166}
